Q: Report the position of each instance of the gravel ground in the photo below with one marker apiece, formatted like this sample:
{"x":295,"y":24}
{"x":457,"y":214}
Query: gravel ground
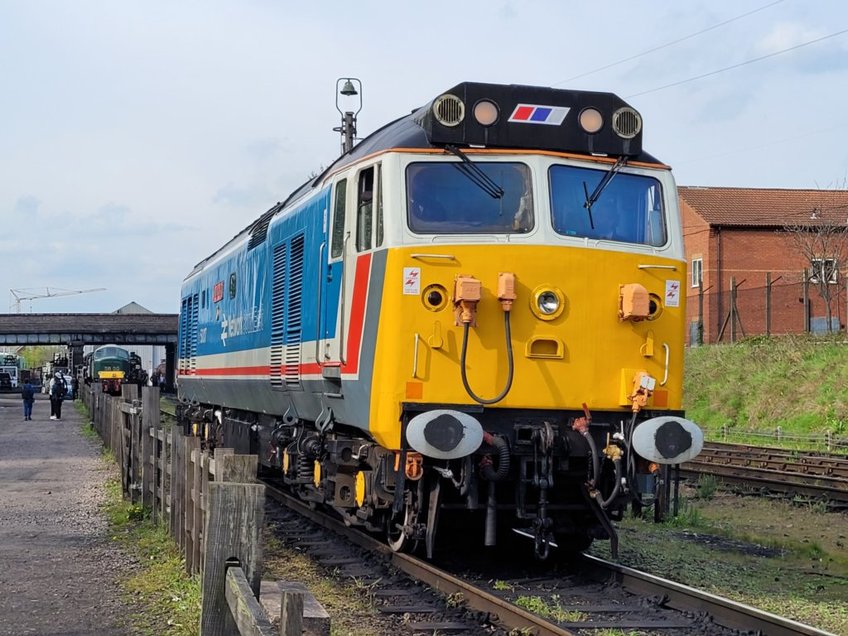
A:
{"x":59,"y":571}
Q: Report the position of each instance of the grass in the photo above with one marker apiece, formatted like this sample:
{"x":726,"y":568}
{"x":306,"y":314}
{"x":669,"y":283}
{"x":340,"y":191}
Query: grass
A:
{"x":168,"y":600}
{"x":798,"y":383}
{"x":550,"y":608}
{"x":348,"y":604}
{"x":772,"y":555}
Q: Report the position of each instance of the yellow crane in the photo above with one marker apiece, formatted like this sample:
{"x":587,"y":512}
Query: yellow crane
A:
{"x":33,"y":293}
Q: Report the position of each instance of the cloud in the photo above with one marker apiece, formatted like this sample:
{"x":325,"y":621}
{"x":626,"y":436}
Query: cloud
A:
{"x":28,"y":206}
{"x":242,"y":196}
{"x":818,"y":57}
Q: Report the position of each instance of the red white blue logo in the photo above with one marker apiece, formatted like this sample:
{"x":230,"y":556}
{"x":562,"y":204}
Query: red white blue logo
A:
{"x":538,"y":114}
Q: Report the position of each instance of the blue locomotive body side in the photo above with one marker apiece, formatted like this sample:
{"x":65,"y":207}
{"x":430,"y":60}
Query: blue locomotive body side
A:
{"x":228,"y":312}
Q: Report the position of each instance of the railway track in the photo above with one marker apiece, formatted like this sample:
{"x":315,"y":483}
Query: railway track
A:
{"x":582,"y":598}
{"x":776,"y":472}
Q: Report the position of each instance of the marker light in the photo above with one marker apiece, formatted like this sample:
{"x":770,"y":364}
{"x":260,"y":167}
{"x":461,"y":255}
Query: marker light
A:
{"x":591,"y":120}
{"x":486,"y":112}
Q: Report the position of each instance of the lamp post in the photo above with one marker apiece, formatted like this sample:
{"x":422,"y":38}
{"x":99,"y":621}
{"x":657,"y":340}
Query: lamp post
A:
{"x":349,"y":88}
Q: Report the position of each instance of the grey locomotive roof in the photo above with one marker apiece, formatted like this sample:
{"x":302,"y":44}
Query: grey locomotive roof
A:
{"x":404,"y":132}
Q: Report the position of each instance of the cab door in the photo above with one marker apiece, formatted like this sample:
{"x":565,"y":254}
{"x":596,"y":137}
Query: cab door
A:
{"x":355,"y":228}
{"x":332,"y":260}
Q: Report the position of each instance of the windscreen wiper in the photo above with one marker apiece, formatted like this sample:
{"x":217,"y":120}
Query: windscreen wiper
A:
{"x":591,"y":199}
{"x":476,"y":175}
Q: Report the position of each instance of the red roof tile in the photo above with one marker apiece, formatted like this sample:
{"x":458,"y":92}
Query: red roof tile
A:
{"x":766,"y":207}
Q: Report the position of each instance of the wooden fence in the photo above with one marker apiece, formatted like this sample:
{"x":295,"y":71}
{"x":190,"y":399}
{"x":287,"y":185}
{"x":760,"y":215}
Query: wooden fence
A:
{"x":211,"y":505}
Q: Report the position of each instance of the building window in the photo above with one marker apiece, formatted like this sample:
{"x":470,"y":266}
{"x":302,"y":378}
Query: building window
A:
{"x":697,"y":271}
{"x":823,"y":269}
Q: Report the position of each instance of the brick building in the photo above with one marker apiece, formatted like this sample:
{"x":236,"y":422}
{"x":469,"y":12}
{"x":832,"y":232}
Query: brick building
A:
{"x":757,"y":237}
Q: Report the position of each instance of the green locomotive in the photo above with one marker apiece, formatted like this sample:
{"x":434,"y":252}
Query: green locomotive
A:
{"x":112,"y":366}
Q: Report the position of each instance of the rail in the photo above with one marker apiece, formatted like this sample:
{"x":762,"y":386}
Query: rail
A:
{"x":828,"y":441}
{"x":776,"y":471}
{"x":680,"y":597}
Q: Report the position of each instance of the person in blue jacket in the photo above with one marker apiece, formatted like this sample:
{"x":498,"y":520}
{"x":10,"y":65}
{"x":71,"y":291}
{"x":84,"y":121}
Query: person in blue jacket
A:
{"x":28,"y":396}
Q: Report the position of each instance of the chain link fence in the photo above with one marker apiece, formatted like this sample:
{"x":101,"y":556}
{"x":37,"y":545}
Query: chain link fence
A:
{"x":770,"y":306}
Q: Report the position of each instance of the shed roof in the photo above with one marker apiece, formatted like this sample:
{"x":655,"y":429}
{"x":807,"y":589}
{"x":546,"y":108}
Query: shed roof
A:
{"x":767,"y":207}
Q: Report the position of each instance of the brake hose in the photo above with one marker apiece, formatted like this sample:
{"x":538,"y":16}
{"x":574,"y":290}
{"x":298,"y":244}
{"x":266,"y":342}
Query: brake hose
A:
{"x":508,"y":386}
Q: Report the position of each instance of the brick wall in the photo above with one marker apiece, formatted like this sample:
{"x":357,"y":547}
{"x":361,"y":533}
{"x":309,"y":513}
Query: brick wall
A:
{"x":748,"y":255}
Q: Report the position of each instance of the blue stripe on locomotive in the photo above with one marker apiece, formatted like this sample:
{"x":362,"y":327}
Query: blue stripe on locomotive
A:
{"x":244,"y":322}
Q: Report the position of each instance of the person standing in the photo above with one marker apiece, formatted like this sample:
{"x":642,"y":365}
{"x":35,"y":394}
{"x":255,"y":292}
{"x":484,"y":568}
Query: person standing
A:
{"x":28,"y":396}
{"x":75,"y":387}
{"x":57,"y":390}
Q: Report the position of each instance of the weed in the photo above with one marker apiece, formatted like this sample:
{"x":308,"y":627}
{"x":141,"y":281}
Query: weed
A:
{"x":707,"y":486}
{"x":137,"y":512}
{"x":502,"y":586}
{"x":455,"y":600}
{"x":819,"y":506}
{"x":689,"y":517}
{"x":549,"y":609}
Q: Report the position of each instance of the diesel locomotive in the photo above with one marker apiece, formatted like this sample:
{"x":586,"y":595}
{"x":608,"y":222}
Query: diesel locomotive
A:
{"x":111,"y":366}
{"x":475,"y":311}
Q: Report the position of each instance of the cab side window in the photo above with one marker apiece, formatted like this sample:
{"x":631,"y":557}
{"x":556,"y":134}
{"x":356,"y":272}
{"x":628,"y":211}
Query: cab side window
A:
{"x":339,"y":219}
{"x":364,"y":210}
{"x":379,"y":191}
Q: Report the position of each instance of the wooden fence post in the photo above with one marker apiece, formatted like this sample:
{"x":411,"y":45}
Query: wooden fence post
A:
{"x":177,"y":486}
{"x":119,"y":444}
{"x":235,"y":517}
{"x":149,"y":424}
{"x":236,"y":468}
{"x":291,"y":617}
{"x":190,"y":443}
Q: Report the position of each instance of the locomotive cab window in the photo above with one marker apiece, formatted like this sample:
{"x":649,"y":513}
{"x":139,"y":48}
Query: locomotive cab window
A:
{"x":451,"y":198}
{"x":233,"y":285}
{"x":339,"y":219}
{"x":629,"y":209}
{"x":364,"y":209}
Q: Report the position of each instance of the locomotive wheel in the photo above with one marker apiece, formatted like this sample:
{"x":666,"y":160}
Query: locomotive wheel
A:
{"x":396,"y":535}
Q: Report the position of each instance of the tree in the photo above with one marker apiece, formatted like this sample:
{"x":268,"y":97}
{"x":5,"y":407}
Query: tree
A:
{"x":36,"y":356}
{"x":821,"y":236}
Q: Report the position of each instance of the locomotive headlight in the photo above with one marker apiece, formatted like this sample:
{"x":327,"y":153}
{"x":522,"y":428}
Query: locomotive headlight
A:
{"x":486,"y":112}
{"x":547,"y":302}
{"x":591,"y":120}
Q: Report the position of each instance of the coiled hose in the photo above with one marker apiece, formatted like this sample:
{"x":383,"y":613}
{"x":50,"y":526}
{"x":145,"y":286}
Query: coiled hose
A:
{"x":510,"y":373}
{"x":500,"y":445}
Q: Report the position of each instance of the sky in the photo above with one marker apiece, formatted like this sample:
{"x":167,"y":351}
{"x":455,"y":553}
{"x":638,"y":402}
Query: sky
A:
{"x":138,"y":137}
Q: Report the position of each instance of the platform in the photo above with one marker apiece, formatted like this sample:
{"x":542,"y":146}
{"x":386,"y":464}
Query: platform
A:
{"x":59,"y":570}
